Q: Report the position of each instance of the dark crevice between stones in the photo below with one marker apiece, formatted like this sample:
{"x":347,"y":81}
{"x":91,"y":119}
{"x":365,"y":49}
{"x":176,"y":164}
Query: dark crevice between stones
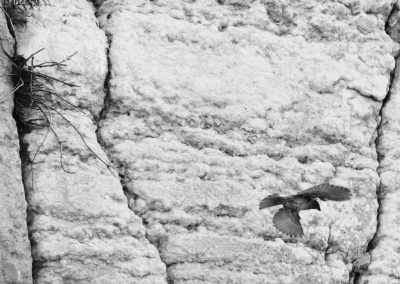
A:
{"x":358,"y":270}
{"x":361,"y":265}
{"x":25,"y":161}
{"x":103,"y":115}
{"x":328,"y":246}
{"x":107,"y":97}
{"x":24,"y":157}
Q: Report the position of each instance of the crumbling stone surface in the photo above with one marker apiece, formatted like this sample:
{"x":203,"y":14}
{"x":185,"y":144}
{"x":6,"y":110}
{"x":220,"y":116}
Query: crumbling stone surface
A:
{"x":385,"y":252}
{"x":215,"y":104}
{"x":15,"y":253}
{"x":203,"y":108}
{"x":81,"y":228}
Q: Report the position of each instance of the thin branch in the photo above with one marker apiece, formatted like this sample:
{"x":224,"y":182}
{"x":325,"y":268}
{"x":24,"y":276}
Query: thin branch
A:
{"x":59,"y":141}
{"x":61,"y":98}
{"x":33,"y":54}
{"x":54,"y":63}
{"x":82,"y":138}
{"x":37,"y":151}
{"x":29,"y":95}
{"x":41,"y":75}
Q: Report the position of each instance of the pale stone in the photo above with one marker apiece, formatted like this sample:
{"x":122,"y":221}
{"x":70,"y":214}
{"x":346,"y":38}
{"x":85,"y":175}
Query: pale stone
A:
{"x":210,"y":106}
{"x":15,"y":254}
{"x":81,"y":228}
{"x":385,"y":255}
{"x":217,"y":259}
{"x":215,"y":104}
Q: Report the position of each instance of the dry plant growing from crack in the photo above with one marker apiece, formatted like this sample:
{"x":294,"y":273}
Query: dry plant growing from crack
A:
{"x":17,"y":10}
{"x":34,"y":101}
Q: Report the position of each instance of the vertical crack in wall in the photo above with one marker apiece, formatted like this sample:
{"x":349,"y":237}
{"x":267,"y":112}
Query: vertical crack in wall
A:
{"x":392,"y":28}
{"x":24,"y":157}
{"x":328,"y":241}
{"x":107,"y":97}
{"x":355,"y":273}
{"x":103,"y":115}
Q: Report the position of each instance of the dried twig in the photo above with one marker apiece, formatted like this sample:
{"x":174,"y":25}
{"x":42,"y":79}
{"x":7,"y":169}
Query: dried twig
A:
{"x":18,"y":10}
{"x":34,"y":101}
{"x":31,"y":95}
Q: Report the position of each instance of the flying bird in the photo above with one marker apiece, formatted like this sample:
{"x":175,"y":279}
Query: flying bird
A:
{"x":287,"y":219}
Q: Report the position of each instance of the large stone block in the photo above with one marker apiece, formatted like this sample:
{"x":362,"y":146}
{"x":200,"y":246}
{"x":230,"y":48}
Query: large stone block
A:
{"x":15,"y":253}
{"x":82,"y":230}
{"x":216,"y":104}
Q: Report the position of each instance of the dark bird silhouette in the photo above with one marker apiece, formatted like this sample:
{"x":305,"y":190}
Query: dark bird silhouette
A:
{"x":287,"y":219}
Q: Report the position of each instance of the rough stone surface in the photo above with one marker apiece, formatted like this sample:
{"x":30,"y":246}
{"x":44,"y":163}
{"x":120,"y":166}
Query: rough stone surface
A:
{"x":81,"y":228}
{"x":215,"y":104}
{"x":385,"y":253}
{"x":216,"y":259}
{"x":15,"y":254}
{"x":208,"y":107}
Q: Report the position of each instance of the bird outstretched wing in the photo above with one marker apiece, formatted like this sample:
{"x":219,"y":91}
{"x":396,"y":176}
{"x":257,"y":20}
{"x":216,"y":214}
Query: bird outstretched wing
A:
{"x":326,"y":192}
{"x":271,"y":200}
{"x":288,"y":221}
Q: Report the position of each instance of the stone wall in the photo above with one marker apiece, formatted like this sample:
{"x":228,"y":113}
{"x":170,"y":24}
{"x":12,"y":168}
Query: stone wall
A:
{"x":81,"y":228}
{"x":202,"y":108}
{"x":15,"y":251}
{"x":385,"y":247}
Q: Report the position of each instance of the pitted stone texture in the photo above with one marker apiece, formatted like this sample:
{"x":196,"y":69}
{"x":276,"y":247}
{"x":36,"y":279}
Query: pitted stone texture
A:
{"x":15,"y":252}
{"x":385,"y":249}
{"x":215,"y":104}
{"x":81,"y":228}
{"x":217,"y":259}
{"x":385,"y":255}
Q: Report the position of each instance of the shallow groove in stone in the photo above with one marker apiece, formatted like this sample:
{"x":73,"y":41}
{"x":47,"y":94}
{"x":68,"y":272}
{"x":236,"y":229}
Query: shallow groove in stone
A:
{"x":24,"y":158}
{"x":103,"y":115}
{"x":373,"y":242}
{"x":329,"y":139}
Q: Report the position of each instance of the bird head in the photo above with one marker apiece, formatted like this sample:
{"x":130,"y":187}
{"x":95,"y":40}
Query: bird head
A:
{"x":315,"y":205}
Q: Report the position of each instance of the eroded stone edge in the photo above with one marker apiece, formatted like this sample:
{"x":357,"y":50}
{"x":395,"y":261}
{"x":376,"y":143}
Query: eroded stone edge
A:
{"x":361,"y":266}
{"x":354,"y":273}
{"x":10,"y":38}
{"x":103,"y":114}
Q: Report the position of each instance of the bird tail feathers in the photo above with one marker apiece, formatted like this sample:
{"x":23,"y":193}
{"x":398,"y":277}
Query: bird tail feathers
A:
{"x":271,"y":200}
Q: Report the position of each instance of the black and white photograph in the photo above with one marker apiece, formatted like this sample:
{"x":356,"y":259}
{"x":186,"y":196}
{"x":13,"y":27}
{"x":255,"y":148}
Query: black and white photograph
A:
{"x":199,"y":142}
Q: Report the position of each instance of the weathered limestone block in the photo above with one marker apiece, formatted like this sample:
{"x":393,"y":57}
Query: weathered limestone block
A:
{"x":385,"y":249}
{"x":217,"y":259}
{"x":385,"y":255}
{"x":15,"y":251}
{"x":215,"y":104}
{"x":82,"y":230}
